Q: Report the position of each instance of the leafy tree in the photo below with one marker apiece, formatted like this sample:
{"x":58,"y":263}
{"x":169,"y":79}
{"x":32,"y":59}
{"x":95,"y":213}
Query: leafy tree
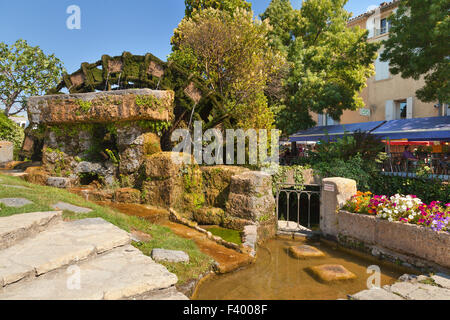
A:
{"x":225,"y":5}
{"x":232,"y":53}
{"x":419,"y":44}
{"x":329,"y":63}
{"x":25,"y":71}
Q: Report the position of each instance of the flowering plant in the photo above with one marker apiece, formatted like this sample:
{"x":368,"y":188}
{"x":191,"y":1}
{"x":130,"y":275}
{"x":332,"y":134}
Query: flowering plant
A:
{"x":407,"y":209}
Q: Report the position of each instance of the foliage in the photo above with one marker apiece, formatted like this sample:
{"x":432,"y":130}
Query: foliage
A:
{"x":225,"y":5}
{"x":426,"y":189}
{"x":232,"y":53}
{"x":407,"y":209}
{"x":329,"y":63}
{"x":281,"y":175}
{"x":419,"y":44}
{"x":355,"y":168}
{"x":10,"y":131}
{"x":84,"y":105}
{"x":25,"y":71}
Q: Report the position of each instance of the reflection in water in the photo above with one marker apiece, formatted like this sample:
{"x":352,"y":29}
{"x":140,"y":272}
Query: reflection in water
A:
{"x":278,"y":276}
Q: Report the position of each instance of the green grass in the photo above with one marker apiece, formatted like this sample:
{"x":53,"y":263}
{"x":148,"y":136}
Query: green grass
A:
{"x":161,"y":237}
{"x":226,"y":234}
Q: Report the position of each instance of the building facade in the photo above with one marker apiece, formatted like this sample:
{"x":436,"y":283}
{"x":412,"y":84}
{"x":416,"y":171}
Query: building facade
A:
{"x":387,"y":96}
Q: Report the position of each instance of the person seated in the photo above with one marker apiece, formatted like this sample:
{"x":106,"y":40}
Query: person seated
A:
{"x":409,"y":156}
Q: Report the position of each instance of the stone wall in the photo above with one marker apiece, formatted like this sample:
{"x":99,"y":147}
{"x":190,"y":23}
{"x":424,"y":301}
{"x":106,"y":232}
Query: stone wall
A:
{"x":406,"y":239}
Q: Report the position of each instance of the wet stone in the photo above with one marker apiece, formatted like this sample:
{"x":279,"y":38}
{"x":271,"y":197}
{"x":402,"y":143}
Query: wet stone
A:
{"x":170,"y":255}
{"x":332,"y":272}
{"x":15,"y":202}
{"x":70,"y":207}
{"x":304,"y":251}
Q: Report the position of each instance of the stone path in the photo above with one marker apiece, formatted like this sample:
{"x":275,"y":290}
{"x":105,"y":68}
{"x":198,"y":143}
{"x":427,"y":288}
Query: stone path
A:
{"x":170,"y":255}
{"x":42,"y":257}
{"x":15,"y":187}
{"x":436,"y":287}
{"x":15,"y":202}
{"x":70,"y":207}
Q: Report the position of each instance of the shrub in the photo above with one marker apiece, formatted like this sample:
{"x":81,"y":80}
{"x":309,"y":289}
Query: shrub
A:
{"x":10,"y":131}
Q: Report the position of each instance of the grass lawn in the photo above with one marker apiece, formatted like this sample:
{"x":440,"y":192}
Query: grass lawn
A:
{"x":161,"y":237}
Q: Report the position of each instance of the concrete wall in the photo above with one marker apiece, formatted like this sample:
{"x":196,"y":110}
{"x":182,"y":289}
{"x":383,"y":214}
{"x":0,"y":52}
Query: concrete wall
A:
{"x":6,"y":151}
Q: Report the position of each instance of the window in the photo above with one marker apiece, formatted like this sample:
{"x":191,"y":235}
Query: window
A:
{"x":402,"y":109}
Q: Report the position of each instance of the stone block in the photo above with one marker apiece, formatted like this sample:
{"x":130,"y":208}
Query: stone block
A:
{"x":59,"y":182}
{"x":102,"y":107}
{"x":359,"y":226}
{"x":216,"y":183}
{"x":331,"y":272}
{"x":127,"y":195}
{"x":305,"y":251}
{"x":170,"y":256}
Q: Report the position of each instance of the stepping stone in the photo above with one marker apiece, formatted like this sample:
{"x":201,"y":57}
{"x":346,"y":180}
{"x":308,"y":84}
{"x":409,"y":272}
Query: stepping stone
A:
{"x":70,"y":207}
{"x":59,"y":246}
{"x":15,"y":202}
{"x":332,"y":272}
{"x":165,"y":294}
{"x":304,"y":251}
{"x":119,"y":274}
{"x":170,"y":255}
{"x":376,"y":294}
{"x":20,"y":226}
{"x":16,"y":187}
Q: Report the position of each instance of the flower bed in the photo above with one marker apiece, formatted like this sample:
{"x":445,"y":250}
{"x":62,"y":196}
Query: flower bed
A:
{"x":406,"y":209}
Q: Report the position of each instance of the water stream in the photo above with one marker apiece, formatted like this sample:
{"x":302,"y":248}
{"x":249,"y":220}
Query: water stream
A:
{"x":278,"y":276}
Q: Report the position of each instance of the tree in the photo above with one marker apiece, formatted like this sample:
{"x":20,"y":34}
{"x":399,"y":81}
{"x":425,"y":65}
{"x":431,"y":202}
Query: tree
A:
{"x":329,"y":63}
{"x":25,"y":71}
{"x":224,"y":5}
{"x":232,"y":53}
{"x":419,"y":44}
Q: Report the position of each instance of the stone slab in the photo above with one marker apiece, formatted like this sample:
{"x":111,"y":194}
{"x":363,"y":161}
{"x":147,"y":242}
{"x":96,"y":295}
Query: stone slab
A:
{"x":20,"y":226}
{"x":163,"y":294}
{"x":14,"y":187}
{"x":331,"y":272}
{"x":376,"y":294}
{"x":70,"y":207}
{"x":442,"y":279}
{"x":418,"y":291}
{"x":119,"y":274}
{"x":59,"y":246}
{"x":305,"y":251}
{"x":15,"y":202}
{"x":59,"y":182}
{"x":170,"y":255}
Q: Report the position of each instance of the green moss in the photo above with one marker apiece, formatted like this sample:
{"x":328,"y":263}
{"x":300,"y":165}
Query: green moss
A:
{"x":84,"y":105}
{"x":148,"y":101}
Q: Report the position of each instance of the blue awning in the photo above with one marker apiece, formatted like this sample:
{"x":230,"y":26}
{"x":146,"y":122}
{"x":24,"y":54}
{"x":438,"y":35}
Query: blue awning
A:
{"x":333,"y":132}
{"x":417,"y":129}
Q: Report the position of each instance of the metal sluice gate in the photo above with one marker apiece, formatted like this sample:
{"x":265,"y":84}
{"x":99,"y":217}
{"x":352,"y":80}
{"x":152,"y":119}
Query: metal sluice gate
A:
{"x":304,"y":196}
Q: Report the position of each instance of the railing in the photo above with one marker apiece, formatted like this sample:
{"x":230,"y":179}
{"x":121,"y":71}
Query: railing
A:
{"x":298,"y":190}
{"x":381,"y":31}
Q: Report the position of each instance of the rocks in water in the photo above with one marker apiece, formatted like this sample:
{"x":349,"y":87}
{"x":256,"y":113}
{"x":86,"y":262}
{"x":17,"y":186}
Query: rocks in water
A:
{"x":305,"y":251}
{"x":70,"y":207}
{"x":170,"y":255}
{"x":15,"y":202}
{"x":332,"y":272}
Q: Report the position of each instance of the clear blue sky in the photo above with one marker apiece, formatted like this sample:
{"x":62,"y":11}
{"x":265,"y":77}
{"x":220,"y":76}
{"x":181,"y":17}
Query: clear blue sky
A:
{"x":107,"y":26}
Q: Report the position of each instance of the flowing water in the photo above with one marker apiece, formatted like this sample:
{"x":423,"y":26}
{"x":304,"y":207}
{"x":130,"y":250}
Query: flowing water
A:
{"x":277,"y":276}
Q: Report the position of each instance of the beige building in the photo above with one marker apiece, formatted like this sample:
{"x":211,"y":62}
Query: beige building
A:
{"x":387,"y":96}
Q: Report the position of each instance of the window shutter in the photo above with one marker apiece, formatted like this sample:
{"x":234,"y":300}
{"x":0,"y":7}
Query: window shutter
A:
{"x":390,"y":110}
{"x":320,"y":120}
{"x":409,"y":107}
